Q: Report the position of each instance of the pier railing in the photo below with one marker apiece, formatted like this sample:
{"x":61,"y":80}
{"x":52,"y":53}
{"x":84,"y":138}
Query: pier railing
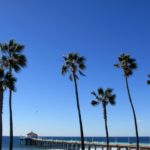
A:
{"x":76,"y":145}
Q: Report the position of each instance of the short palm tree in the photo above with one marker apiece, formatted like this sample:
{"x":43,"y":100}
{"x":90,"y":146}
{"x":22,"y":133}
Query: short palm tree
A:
{"x":148,"y":81}
{"x":6,"y":81}
{"x":74,"y":64}
{"x":104,"y":97}
{"x":128,"y":65}
{"x":15,"y":61}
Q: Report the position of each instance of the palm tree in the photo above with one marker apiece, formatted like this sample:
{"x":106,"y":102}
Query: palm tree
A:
{"x":128,"y":65}
{"x":15,"y":61}
{"x":148,"y":81}
{"x":104,"y":97}
{"x":6,"y":81}
{"x":74,"y":64}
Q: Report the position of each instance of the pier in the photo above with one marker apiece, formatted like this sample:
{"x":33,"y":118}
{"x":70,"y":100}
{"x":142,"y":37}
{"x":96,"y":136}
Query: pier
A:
{"x":75,"y":145}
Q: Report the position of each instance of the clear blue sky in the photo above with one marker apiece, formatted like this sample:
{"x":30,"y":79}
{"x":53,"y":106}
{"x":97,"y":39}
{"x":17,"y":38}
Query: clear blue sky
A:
{"x":98,"y":29}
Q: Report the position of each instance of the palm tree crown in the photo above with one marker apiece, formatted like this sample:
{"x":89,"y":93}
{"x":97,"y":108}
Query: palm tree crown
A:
{"x":12,"y":55}
{"x":104,"y":97}
{"x":148,"y":81}
{"x":74,"y":64}
{"x":6,"y":78}
{"x":127,"y":63}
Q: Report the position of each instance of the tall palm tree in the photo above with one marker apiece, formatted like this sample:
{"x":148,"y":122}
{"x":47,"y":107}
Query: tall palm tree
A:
{"x":74,"y":64}
{"x":148,"y":81}
{"x":104,"y":97}
{"x":6,"y":81}
{"x":128,"y":65}
{"x":15,"y":62}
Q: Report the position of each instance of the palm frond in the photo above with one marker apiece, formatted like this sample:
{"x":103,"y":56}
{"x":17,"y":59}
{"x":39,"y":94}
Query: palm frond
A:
{"x":4,"y":58}
{"x":100,"y":91}
{"x":81,"y":73}
{"x":148,"y":81}
{"x":112,"y":99}
{"x":116,"y":65}
{"x":108,"y":92}
{"x":22,"y":61}
{"x":12,"y":47}
{"x":65,"y":58}
{"x":4,"y":61}
{"x":70,"y":56}
{"x":131,"y":60}
{"x":64,"y":70}
{"x":121,"y":57}
{"x":19,"y":48}
{"x":68,"y":63}
{"x":1,"y":73}
{"x":12,"y":43}
{"x":76,"y":76}
{"x":81,"y":60}
{"x":16,"y":67}
{"x":82,"y":66}
{"x":94,"y":102}
{"x":93,"y":93}
{"x":4,"y":47}
{"x":133,"y":66}
{"x":75,"y":56}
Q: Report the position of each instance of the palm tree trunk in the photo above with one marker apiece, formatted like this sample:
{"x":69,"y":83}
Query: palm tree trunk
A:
{"x":10,"y":114}
{"x":10,"y":121}
{"x":106,"y":127}
{"x":134,"y":115}
{"x":79,"y":113}
{"x":1,"y":111}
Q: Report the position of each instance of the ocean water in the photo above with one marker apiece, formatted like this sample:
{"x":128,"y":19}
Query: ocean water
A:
{"x":16,"y":144}
{"x":124,"y":140}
